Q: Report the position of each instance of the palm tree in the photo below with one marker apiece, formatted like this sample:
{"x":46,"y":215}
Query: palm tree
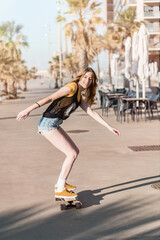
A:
{"x":14,"y":40}
{"x":11,"y":33}
{"x":14,"y":71}
{"x":31,"y":74}
{"x":54,"y":69}
{"x":71,"y":65}
{"x":126,"y":24}
{"x":22,"y":73}
{"x":81,"y":30}
{"x":112,"y":42}
{"x":5,"y":62}
{"x":3,"y":54}
{"x":97,"y":43}
{"x":120,"y":29}
{"x":22,"y":76}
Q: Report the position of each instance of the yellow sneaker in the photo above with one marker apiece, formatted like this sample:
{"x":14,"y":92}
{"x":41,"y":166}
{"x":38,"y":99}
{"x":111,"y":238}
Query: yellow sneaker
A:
{"x":65,"y":194}
{"x":68,"y":187}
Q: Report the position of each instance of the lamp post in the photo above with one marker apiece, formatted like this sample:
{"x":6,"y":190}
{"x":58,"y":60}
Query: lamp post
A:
{"x":59,"y":42}
{"x":48,"y":35}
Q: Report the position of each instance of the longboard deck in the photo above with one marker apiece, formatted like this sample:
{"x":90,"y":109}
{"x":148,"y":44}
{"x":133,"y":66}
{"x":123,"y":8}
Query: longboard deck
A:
{"x":67,"y":204}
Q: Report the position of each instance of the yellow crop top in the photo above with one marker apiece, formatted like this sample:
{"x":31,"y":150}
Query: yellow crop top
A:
{"x":73,"y":88}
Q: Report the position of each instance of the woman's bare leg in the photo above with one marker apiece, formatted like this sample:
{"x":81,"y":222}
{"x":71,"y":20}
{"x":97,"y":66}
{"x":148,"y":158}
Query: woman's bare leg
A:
{"x":60,"y":139}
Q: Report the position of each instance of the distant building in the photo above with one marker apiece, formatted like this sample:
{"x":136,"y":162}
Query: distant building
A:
{"x":42,"y":74}
{"x":149,"y":12}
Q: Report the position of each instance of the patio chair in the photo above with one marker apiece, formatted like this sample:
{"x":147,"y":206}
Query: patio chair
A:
{"x":104,"y":101}
{"x":109,"y":102}
{"x":152,"y":104}
{"x":131,"y":94}
{"x":149,"y":105}
{"x":114,"y":104}
{"x":121,"y":90}
{"x":121,"y":110}
{"x":130,"y":106}
{"x":127,"y":106}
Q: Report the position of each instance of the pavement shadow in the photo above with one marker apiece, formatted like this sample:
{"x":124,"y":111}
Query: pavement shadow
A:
{"x":77,"y":131}
{"x":114,"y":221}
{"x":92,"y":197}
{"x":14,"y":117}
{"x":155,"y":117}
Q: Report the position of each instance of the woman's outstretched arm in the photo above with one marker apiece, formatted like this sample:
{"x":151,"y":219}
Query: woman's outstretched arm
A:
{"x":60,"y":93}
{"x":97,"y":117}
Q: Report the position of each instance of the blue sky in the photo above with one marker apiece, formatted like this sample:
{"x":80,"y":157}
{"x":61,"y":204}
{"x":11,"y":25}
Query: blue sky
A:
{"x":38,"y":18}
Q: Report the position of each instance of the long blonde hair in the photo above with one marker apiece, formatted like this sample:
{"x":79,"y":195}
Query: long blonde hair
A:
{"x":91,"y":90}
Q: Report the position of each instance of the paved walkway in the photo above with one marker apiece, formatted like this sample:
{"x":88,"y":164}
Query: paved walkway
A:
{"x":114,"y":183}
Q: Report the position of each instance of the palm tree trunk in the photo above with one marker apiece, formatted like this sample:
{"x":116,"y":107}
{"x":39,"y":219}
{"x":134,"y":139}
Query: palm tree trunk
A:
{"x":83,"y":60}
{"x":98,"y":67}
{"x":109,"y":67}
{"x":56,"y":83}
{"x":19,"y":85}
{"x":12,"y":92}
{"x":71,"y":47}
{"x":4,"y":88}
{"x":25,"y":85}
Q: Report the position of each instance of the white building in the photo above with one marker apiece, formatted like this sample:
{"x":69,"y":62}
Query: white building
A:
{"x":149,"y":12}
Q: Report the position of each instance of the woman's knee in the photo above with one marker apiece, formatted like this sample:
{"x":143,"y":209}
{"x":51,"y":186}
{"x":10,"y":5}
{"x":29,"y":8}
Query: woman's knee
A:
{"x":74,"y":154}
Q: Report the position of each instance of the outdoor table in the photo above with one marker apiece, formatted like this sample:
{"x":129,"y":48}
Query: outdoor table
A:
{"x":134,"y":101}
{"x":115,"y":95}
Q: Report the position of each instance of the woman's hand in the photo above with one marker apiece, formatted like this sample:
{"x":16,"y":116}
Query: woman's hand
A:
{"x":97,"y":117}
{"x":114,"y":131}
{"x":23,"y":114}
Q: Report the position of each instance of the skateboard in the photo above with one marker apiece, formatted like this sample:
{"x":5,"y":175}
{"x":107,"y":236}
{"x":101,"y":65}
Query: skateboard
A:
{"x":67,"y":204}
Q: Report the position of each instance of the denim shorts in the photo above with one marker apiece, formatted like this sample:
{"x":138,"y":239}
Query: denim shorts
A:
{"x":46,"y":124}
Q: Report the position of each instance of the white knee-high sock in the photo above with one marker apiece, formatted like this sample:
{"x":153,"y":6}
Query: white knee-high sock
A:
{"x":60,"y":185}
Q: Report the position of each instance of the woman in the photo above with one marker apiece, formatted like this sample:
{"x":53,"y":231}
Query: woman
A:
{"x":64,"y":102}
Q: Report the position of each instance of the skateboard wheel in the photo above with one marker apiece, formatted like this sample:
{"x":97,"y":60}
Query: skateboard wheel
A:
{"x":78,"y":205}
{"x":63,"y":207}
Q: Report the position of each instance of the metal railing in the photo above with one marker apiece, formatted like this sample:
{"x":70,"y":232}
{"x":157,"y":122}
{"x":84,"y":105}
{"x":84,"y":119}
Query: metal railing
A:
{"x":154,"y":45}
{"x":152,"y":14}
{"x":157,"y":1}
{"x":153,"y":29}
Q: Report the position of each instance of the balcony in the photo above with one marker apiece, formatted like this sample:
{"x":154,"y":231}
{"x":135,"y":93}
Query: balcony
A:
{"x":151,"y":15}
{"x":153,"y":30}
{"x":154,"y":46}
{"x":152,"y":2}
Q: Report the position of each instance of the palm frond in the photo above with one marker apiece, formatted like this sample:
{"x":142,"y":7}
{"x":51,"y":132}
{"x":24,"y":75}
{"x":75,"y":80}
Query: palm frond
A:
{"x":18,"y":28}
{"x":60,"y":18}
{"x":95,"y":5}
{"x":84,"y":3}
{"x":97,"y":20}
{"x":97,"y":11}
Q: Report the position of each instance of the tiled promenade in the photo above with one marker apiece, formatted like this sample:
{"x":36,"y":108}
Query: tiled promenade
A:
{"x":114,"y":183}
